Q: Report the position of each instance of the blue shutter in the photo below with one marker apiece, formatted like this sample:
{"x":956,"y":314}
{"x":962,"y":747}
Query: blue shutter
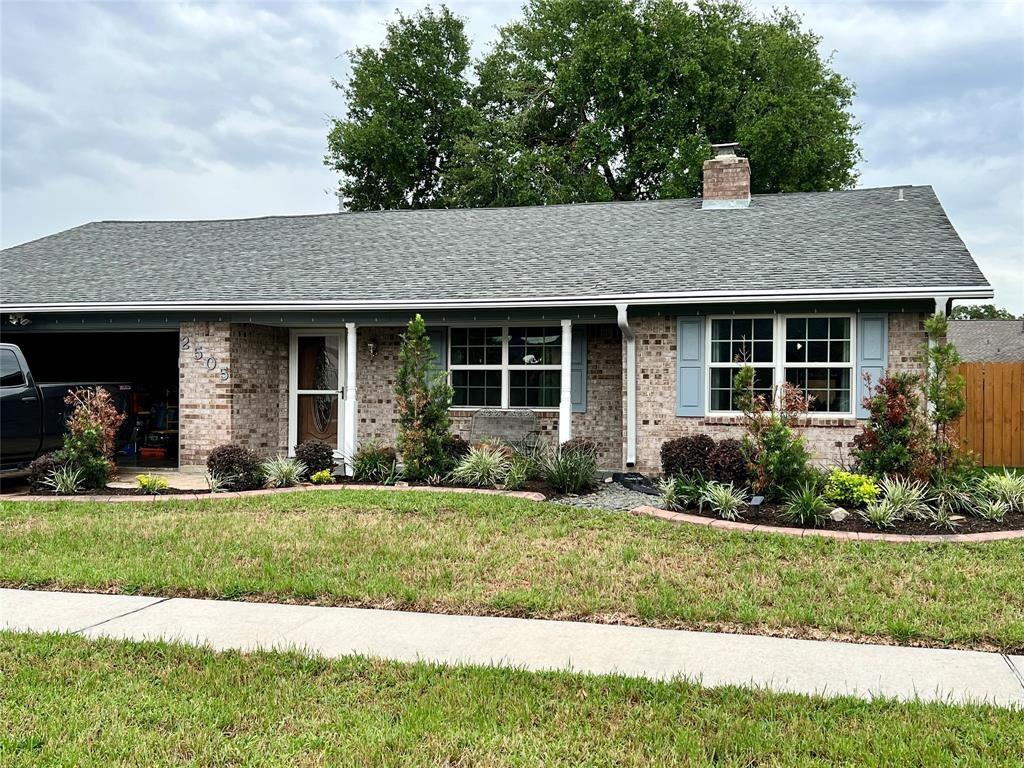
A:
{"x":872,"y":354}
{"x":578,"y":369}
{"x":439,"y":344}
{"x":690,"y":364}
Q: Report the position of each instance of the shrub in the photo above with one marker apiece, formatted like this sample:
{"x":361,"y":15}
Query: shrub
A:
{"x":942,"y":519}
{"x":908,"y":498}
{"x":323,"y":477}
{"x":375,"y":463}
{"x":518,"y":472}
{"x":92,"y":431}
{"x":894,"y":441}
{"x":151,"y":484}
{"x":726,"y":464}
{"x":40,"y":469}
{"x":777,"y":458}
{"x":678,"y":493}
{"x":944,"y":390}
{"x":724,"y":500}
{"x":64,"y":480}
{"x":991,"y":509}
{"x":849,"y":488}
{"x":457,"y":449}
{"x":238,"y":468}
{"x":1006,"y":488}
{"x":805,"y":507}
{"x":422,"y":399}
{"x":570,"y":467}
{"x":215,"y":483}
{"x":283,"y":472}
{"x":687,"y":455}
{"x":532,"y":458}
{"x":315,"y":455}
{"x":880,"y":513}
{"x":485,"y":466}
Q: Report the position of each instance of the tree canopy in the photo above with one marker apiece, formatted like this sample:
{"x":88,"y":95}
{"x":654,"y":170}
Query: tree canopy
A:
{"x":981,"y":312}
{"x":588,"y":100}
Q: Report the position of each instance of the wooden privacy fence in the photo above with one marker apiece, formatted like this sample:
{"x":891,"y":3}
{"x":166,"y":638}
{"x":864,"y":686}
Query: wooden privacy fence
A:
{"x":992,"y":423}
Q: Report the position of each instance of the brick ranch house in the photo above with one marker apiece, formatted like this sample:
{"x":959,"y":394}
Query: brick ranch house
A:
{"x":620,"y":322}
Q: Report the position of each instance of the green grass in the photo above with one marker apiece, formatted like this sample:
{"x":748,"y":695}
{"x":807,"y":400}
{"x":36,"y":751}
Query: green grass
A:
{"x":69,"y":701}
{"x":494,"y":555}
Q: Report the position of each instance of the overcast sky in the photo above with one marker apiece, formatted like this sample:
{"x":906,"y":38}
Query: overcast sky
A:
{"x":157,"y":110}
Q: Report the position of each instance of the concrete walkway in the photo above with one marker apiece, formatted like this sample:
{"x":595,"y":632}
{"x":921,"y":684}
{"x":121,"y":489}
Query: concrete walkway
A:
{"x":799,"y":666}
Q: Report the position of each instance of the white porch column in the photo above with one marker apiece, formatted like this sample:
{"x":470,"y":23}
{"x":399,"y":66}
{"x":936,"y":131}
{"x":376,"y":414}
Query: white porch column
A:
{"x":348,"y":448}
{"x":565,"y":403}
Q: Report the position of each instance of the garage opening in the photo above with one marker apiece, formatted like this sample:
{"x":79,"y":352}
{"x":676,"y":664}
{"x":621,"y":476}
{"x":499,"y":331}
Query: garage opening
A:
{"x":143,"y":364}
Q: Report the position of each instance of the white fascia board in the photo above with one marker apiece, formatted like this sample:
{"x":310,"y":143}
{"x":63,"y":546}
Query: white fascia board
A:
{"x":684,"y":297}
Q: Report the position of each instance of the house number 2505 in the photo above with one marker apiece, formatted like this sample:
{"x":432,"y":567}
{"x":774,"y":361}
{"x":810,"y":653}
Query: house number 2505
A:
{"x":208,"y":361}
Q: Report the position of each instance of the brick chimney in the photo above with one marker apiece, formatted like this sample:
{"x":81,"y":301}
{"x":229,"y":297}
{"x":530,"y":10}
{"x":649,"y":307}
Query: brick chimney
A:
{"x":726,"y":179}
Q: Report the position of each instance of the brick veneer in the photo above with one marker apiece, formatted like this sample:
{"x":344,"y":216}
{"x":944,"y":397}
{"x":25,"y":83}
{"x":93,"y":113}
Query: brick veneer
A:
{"x":829,"y":440}
{"x":250,"y":407}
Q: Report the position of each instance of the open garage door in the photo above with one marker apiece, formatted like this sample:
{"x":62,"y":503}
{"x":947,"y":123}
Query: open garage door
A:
{"x":146,"y":362}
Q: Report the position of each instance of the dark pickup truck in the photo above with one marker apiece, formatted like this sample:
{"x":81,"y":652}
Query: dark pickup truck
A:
{"x":33,"y":415}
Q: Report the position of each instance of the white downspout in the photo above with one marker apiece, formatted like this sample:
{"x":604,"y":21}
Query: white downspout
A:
{"x":348,"y":448}
{"x":630,"y":337}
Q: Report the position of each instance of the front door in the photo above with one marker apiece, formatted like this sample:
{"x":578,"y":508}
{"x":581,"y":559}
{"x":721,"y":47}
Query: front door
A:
{"x":316,"y":389}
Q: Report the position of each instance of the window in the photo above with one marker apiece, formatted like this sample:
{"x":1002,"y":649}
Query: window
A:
{"x":814,"y":354}
{"x":10,"y":371}
{"x":519,"y":367}
{"x":736,"y":342}
{"x":819,"y":361}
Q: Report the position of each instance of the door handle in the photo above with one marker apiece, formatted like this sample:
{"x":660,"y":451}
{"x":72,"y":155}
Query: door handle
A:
{"x":29,"y":399}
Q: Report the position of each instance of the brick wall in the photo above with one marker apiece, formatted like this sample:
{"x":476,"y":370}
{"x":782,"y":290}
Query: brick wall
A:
{"x":830,"y":440}
{"x":233,"y":388}
{"x":375,"y":383}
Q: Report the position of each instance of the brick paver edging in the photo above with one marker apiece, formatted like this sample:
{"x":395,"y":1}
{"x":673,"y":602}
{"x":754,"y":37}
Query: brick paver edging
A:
{"x":728,"y":525}
{"x":100,"y":498}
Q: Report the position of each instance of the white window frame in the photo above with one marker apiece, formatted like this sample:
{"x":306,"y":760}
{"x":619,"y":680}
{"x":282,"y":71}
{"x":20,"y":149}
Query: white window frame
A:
{"x":779,"y":357}
{"x":505,"y":367}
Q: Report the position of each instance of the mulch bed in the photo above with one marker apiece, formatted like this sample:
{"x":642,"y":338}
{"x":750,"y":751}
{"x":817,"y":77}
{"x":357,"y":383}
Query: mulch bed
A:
{"x":770,"y":514}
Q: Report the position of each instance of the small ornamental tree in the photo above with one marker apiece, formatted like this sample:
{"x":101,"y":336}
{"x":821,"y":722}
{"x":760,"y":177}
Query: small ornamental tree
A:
{"x":92,"y":432}
{"x":777,"y":457}
{"x":895,"y":439}
{"x":422,"y":398}
{"x":944,"y":390}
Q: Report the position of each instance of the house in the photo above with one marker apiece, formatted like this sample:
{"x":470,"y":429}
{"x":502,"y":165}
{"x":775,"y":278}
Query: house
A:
{"x":617,"y":321}
{"x":988,"y":341}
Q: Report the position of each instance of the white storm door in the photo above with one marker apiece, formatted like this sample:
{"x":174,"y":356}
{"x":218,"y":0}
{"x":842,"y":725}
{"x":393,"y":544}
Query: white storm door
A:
{"x":316,"y":388}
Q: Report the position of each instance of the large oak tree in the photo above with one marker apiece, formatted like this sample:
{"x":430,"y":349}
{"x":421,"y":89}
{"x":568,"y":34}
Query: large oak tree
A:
{"x":585,"y":100}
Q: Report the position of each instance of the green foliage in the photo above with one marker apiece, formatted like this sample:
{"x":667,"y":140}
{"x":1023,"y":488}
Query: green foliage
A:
{"x":89,"y":441}
{"x":688,"y":455}
{"x":993,"y":510}
{"x":590,"y":100}
{"x":723,"y":499}
{"x":485,"y":466}
{"x":1006,"y":488}
{"x":64,"y":480}
{"x":982,"y":312}
{"x":39,"y":470}
{"x":407,"y":108}
{"x":215,"y":482}
{"x":375,"y":463}
{"x":570,"y":468}
{"x":806,"y":507}
{"x":942,"y":519}
{"x":849,"y":488}
{"x":237,"y":468}
{"x":323,"y":477}
{"x":880,"y":513}
{"x":519,"y":470}
{"x":151,"y":484}
{"x":727,"y":464}
{"x":422,"y":399}
{"x":895,"y":439}
{"x":283,"y":472}
{"x":944,"y":390}
{"x":907,"y":497}
{"x":316,"y":455}
{"x":679,"y":493}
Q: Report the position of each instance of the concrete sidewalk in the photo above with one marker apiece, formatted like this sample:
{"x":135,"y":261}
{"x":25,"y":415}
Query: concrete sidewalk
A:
{"x":798,"y":666}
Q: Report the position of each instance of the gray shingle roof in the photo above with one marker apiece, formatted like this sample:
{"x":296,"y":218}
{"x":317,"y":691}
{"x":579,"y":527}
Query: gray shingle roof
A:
{"x":988,"y":341}
{"x":855,"y":239}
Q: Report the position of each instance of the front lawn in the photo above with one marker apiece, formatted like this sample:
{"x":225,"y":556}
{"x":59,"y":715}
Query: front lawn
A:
{"x":69,"y":701}
{"x":494,"y":555}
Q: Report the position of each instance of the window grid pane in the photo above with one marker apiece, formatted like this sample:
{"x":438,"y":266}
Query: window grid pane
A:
{"x":830,"y":388}
{"x":724,"y":395}
{"x":818,"y":340}
{"x":535,"y":346}
{"x":535,"y":389}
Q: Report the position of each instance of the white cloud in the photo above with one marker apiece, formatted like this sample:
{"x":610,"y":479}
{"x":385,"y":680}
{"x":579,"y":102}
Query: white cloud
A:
{"x":168,"y":110}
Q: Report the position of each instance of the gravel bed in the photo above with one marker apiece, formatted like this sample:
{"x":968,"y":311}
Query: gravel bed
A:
{"x":610,"y":496}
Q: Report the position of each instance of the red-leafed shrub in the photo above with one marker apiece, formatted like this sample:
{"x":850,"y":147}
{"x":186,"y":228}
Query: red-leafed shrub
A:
{"x":687,"y":456}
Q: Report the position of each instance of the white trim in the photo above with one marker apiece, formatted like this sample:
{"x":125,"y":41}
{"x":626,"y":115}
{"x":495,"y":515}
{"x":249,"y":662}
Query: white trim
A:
{"x":293,"y":382}
{"x":565,"y":403}
{"x":622,"y":311}
{"x":348,"y":442}
{"x":668,"y":297}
